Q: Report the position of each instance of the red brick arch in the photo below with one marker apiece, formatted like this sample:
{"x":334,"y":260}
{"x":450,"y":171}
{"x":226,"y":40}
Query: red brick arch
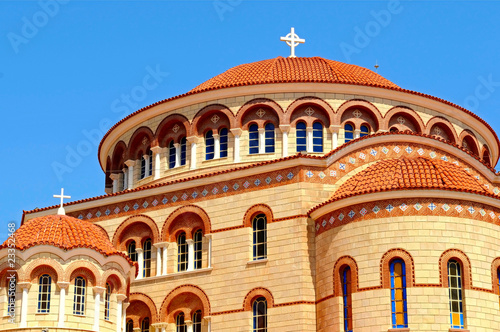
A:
{"x":445,"y":124}
{"x":494,"y":275}
{"x":464,"y":261}
{"x":385,"y":262}
{"x":198,"y":127}
{"x":339,"y":265}
{"x":254,"y":294}
{"x":188,"y":218}
{"x":260,"y":103}
{"x":115,"y":278}
{"x":135,"y":143}
{"x":363,"y":105}
{"x":118,"y":157}
{"x":326,"y":115}
{"x":164,"y":131}
{"x":486,"y":155}
{"x":141,"y":306}
{"x":84,"y":269}
{"x":43,"y":265}
{"x":472,"y":143}
{"x":255,"y":210}
{"x":186,"y":299}
{"x":121,"y":237}
{"x":408,"y":113}
{"x":4,"y":272}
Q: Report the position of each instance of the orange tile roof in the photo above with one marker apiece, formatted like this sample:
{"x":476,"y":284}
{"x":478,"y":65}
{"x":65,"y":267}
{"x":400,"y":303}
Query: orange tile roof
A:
{"x":292,"y":70}
{"x":64,"y":232}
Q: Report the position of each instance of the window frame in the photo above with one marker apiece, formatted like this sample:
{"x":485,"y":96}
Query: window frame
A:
{"x":145,"y":324}
{"x":44,"y":290}
{"x":269,"y":138}
{"x":301,"y":136}
{"x":348,"y":132}
{"x":259,"y":247}
{"x":395,"y":314}
{"x":198,"y":249}
{"x":107,"y":301}
{"x":209,"y":145}
{"x":183,"y":150}
{"x":459,"y":300}
{"x":171,"y":155}
{"x":253,"y":139}
{"x":317,"y":137}
{"x":180,"y":323}
{"x":256,"y":305}
{"x":132,"y":254}
{"x":223,"y":142}
{"x":364,"y":133}
{"x":197,"y":321}
{"x":79,"y":295}
{"x":182,"y":253}
{"x":146,"y":258}
{"x":346,"y":282}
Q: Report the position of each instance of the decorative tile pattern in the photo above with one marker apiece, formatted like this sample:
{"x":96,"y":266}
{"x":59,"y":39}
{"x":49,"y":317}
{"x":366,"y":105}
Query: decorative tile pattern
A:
{"x":155,"y":202}
{"x":321,"y":175}
{"x":136,"y":206}
{"x":126,"y":208}
{"x":309,"y":174}
{"x":145,"y":204}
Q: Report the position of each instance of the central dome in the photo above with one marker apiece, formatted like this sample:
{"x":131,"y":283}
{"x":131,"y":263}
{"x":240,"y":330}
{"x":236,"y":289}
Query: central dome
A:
{"x":294,"y":70}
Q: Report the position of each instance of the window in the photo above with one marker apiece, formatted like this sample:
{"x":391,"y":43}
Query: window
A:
{"x":44,"y":284}
{"x":143,"y":167}
{"x":347,"y":298}
{"x":223,"y":142}
{"x":183,"y":151}
{"x":182,"y":253}
{"x":197,"y":321}
{"x":455,"y":293}
{"x":198,"y":239}
{"x":130,"y":326}
{"x":301,"y":136}
{"x":253,"y":139}
{"x":124,"y":178}
{"x":260,"y":315}
{"x":171,"y":155}
{"x":150,"y":161}
{"x":146,"y":247}
{"x":317,"y":137}
{"x":348,"y":133}
{"x":179,"y":322}
{"x":79,"y":299}
{"x":107,"y":297}
{"x":209,"y":145}
{"x":132,"y":254}
{"x":498,"y":280}
{"x":259,"y":225}
{"x":364,"y":131}
{"x":398,"y":294}
{"x":269,"y":138}
{"x":145,"y":325}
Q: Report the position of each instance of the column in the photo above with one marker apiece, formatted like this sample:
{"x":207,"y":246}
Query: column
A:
{"x":189,"y":325}
{"x":165,"y":256}
{"x":309,"y":139}
{"x":357,"y":133}
{"x":193,"y":140}
{"x":130,"y":181}
{"x":140,"y":262}
{"x":237,"y":133}
{"x":335,"y":136}
{"x":124,"y":310}
{"x":177,"y":147}
{"x":190,"y":254}
{"x":157,"y":161}
{"x":208,"y":320}
{"x":216,"y":146}
{"x":285,"y":129}
{"x":159,"y":259}
{"x":125,"y":179}
{"x":159,"y":326}
{"x":63,"y":286}
{"x":209,"y":237}
{"x":98,"y":291}
{"x":262,"y":140}
{"x":119,"y":311}
{"x":146,"y":169}
{"x":115,"y":177}
{"x":25,"y":286}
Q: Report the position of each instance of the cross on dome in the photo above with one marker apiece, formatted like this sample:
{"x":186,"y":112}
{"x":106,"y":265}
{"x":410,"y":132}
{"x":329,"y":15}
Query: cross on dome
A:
{"x":61,"y":211}
{"x":293,"y":41}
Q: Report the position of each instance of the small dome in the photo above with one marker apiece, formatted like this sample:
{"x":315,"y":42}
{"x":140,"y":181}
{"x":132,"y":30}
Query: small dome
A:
{"x":293,"y":70}
{"x":64,"y":232}
{"x":406,"y":173}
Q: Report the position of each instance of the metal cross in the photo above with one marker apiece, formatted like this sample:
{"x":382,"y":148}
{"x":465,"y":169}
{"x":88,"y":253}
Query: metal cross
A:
{"x":293,"y":41}
{"x":62,"y":197}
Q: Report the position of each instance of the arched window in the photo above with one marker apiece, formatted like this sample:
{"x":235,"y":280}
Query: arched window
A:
{"x":143,"y":167}
{"x":198,"y":239}
{"x":347,"y":298}
{"x":107,"y":298}
{"x":171,"y":154}
{"x":130,"y":326}
{"x":486,"y":157}
{"x":317,"y":137}
{"x":150,"y":160}
{"x":146,"y":247}
{"x":132,"y":254}
{"x":79,"y":298}
{"x":223,"y":142}
{"x":393,"y":130}
{"x":197,"y":321}
{"x":183,"y":151}
{"x":398,"y":294}
{"x":209,"y":145}
{"x":269,"y":138}
{"x":145,"y":325}
{"x":253,"y":139}
{"x":365,"y":131}
{"x":179,"y":323}
{"x":300,"y":132}
{"x":259,"y":225}
{"x":260,"y":315}
{"x":455,"y":294}
{"x":44,"y":284}
{"x":498,"y":281}
{"x":182,"y":253}
{"x":348,"y":132}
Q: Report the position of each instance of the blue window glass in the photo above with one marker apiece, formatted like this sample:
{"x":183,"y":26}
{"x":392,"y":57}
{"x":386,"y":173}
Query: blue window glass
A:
{"x":171,"y":155}
{"x":260,"y":315}
{"x":301,"y":136}
{"x":132,"y":254}
{"x":44,"y":285}
{"x":455,"y":294}
{"x":398,"y":294}
{"x":180,"y":324}
{"x":317,"y":137}
{"x":79,"y":291}
{"x":269,"y":138}
{"x":183,"y":151}
{"x":223,"y":142}
{"x":348,"y":132}
{"x":145,"y":325}
{"x":347,"y":298}
{"x":253,"y":139}
{"x":259,"y":225}
{"x":365,"y":131}
{"x":209,"y":145}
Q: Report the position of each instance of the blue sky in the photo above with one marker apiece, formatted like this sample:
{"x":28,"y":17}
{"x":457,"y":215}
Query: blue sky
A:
{"x":65,"y":67}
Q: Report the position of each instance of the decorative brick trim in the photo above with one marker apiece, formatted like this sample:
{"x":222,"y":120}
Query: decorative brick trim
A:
{"x":227,"y":229}
{"x":495,"y":266}
{"x":116,"y":279}
{"x":136,"y":219}
{"x":339,"y":265}
{"x":408,"y":112}
{"x":331,"y":296}
{"x":256,"y":293}
{"x":163,"y":132}
{"x":147,"y":301}
{"x":441,"y":121}
{"x":297,"y":216}
{"x":387,"y":258}
{"x":177,"y":292}
{"x":134,"y":145}
{"x":363,"y":105}
{"x":255,"y":210}
{"x":84,"y":269}
{"x":327,"y":114}
{"x":187,"y":218}
{"x":227,"y":312}
{"x":286,"y":304}
{"x":198,"y":130}
{"x":260,"y":102}
{"x":41,"y":266}
{"x":464,"y":261}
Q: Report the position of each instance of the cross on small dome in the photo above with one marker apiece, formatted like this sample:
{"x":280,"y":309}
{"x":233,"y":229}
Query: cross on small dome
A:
{"x":62,"y":197}
{"x":293,"y":41}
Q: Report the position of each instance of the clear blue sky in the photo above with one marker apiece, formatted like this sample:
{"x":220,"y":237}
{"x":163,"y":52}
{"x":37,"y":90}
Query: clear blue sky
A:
{"x":62,"y":67}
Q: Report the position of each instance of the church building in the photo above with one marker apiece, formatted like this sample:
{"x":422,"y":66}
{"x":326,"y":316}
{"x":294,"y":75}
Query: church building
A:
{"x":290,"y":194}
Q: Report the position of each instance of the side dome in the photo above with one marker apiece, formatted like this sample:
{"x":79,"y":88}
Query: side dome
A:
{"x":294,"y":70}
{"x":408,"y":174}
{"x":64,"y":232}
